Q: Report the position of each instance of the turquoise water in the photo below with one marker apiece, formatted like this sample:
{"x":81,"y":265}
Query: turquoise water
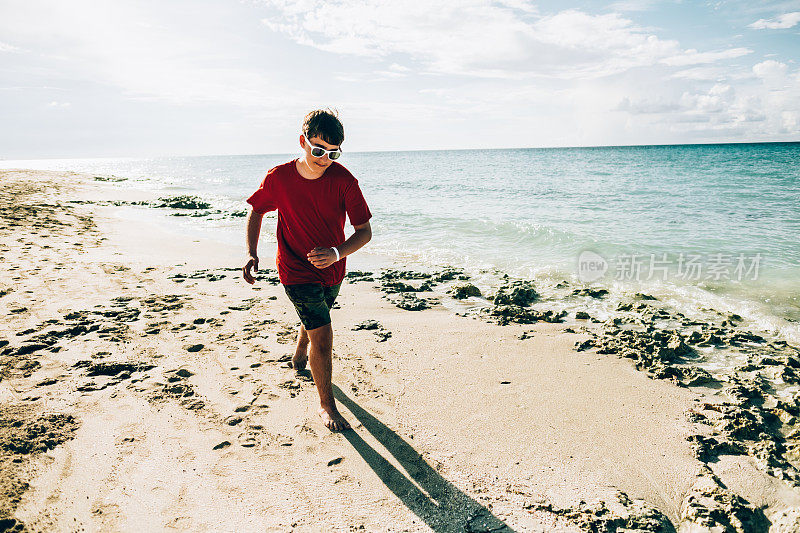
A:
{"x":532,"y":212}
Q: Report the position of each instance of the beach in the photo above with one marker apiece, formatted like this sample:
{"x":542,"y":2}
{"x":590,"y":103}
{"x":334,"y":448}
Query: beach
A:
{"x":145,"y":387}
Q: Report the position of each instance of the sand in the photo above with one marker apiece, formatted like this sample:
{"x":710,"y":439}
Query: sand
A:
{"x":157,"y":395}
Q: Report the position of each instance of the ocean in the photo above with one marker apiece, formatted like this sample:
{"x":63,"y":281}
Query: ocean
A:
{"x":699,"y":226}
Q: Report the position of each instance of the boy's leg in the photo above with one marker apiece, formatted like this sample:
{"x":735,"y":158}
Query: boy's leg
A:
{"x":320,"y":359}
{"x":300,"y":357}
{"x":313,"y":303}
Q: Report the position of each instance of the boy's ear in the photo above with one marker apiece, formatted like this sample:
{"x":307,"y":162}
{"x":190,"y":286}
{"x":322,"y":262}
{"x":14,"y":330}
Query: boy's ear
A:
{"x":302,"y":142}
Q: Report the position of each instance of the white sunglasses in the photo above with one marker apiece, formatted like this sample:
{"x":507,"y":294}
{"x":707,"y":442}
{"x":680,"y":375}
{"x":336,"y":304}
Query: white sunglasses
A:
{"x":318,"y":151}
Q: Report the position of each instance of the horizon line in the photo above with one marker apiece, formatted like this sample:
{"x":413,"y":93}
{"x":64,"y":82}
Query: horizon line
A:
{"x":573,"y":147}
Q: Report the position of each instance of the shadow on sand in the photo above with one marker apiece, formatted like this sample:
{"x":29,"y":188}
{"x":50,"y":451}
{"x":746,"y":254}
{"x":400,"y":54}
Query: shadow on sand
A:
{"x":441,"y":506}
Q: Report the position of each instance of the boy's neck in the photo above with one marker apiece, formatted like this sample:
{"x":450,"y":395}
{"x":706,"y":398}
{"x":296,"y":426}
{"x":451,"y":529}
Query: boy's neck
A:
{"x":305,"y":170}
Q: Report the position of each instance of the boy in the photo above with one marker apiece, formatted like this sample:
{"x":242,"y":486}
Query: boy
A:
{"x":312,"y":195}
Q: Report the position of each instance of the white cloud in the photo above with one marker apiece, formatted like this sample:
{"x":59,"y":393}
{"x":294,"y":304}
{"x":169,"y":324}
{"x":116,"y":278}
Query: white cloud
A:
{"x":449,"y":36}
{"x":759,"y":106}
{"x":693,"y":57}
{"x":632,"y":5}
{"x":781,"y":22}
{"x":690,"y":106}
{"x":395,"y":71}
{"x":483,"y":38}
{"x":718,"y":99}
{"x":770,"y":69}
{"x":699,"y":74}
{"x":646,"y":105}
{"x":771,"y":72}
{"x":790,"y":121}
{"x":523,"y":5}
{"x":4,"y":47}
{"x":148,"y":51}
{"x":59,"y":105}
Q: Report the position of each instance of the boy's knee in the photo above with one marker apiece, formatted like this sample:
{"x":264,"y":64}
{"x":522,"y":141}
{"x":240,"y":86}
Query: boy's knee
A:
{"x":322,"y":337}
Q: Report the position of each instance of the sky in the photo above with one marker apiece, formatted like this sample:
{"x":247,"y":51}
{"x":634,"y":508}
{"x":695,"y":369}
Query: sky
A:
{"x":205,"y":77}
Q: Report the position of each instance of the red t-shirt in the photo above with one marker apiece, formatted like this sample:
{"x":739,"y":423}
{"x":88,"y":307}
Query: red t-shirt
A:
{"x":310,"y":214}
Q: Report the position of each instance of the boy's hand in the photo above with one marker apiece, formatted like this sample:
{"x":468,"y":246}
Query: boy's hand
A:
{"x":252,"y":263}
{"x":322,"y":257}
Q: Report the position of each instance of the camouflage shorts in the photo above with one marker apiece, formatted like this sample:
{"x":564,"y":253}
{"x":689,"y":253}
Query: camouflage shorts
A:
{"x":313,"y":302}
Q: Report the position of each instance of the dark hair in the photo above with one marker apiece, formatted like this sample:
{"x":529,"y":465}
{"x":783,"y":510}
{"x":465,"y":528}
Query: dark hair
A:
{"x":324,"y":123}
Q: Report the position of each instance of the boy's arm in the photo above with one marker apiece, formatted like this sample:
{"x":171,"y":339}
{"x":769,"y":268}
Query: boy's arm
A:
{"x":325,"y":257}
{"x":362,"y":236}
{"x":253,"y":231}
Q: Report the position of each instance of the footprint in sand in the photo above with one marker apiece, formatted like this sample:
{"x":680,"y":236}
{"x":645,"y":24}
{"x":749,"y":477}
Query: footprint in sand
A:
{"x":292,"y":386}
{"x":249,"y":438}
{"x":304,"y":375}
{"x":194,"y":405}
{"x":233,"y":420}
{"x":307,"y":430}
{"x":230,"y":390}
{"x":260,"y":398}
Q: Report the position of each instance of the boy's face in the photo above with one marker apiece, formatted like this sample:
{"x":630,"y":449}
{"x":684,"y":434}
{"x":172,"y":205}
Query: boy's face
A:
{"x":319,"y":163}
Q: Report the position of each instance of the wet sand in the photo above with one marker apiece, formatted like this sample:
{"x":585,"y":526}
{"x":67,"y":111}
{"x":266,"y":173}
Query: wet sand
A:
{"x":145,"y":386}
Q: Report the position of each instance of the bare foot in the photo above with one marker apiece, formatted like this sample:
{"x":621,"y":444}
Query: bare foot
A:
{"x":332,"y":419}
{"x":299,"y":362}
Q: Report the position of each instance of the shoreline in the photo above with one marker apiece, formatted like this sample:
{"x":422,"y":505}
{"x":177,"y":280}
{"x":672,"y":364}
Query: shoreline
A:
{"x":469,"y":409}
{"x":760,"y":304}
{"x":766,"y":302}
